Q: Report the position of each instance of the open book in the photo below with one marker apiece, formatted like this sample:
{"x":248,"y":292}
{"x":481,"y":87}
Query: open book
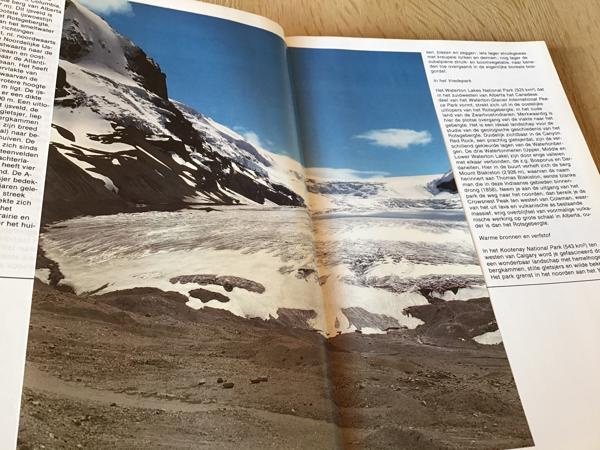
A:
{"x":252,"y":241}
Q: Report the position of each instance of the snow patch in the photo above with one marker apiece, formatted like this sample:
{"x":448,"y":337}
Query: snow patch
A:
{"x":489,"y":338}
{"x":43,"y":275}
{"x":182,"y":162}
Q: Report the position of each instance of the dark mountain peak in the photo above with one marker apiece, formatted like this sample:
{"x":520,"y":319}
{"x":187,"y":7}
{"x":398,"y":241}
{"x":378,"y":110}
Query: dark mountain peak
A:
{"x":446,"y":183}
{"x":148,"y":72}
{"x":89,"y":40}
{"x":74,"y":45}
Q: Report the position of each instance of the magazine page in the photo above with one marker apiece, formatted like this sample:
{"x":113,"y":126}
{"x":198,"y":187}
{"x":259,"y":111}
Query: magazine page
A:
{"x":417,"y":335}
{"x":175,"y":300}
{"x":382,"y":122}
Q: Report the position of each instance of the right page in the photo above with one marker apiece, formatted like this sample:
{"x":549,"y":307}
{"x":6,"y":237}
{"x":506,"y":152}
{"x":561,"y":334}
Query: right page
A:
{"x":398,"y":137}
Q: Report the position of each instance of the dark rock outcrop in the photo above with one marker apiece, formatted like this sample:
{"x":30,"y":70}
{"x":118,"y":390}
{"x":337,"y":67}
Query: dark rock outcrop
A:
{"x":74,"y":45}
{"x":455,"y":319}
{"x":228,"y":282}
{"x":361,"y":318}
{"x":205,"y":296}
{"x":149,"y":302}
{"x":446,"y":183}
{"x":295,"y":318}
{"x":149,"y":73}
{"x":61,"y":83}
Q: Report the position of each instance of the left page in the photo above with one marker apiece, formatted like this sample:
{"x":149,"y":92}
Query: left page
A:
{"x":175,"y":295}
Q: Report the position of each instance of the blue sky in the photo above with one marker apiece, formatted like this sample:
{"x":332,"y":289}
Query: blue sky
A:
{"x":232,"y":72}
{"x":364,"y":113}
{"x":370,"y":113}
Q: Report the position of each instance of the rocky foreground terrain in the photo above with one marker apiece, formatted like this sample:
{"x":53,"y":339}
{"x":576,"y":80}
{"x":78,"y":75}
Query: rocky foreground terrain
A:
{"x":139,"y":369}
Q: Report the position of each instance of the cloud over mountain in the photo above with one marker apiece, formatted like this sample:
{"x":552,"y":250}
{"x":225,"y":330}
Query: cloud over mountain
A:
{"x":108,"y":6}
{"x":398,"y":138}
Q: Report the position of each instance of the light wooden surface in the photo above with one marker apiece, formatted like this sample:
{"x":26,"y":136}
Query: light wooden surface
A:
{"x":570,"y":27}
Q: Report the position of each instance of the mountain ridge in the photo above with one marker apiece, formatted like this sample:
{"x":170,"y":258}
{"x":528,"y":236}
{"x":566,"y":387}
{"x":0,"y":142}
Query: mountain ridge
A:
{"x":120,"y":144}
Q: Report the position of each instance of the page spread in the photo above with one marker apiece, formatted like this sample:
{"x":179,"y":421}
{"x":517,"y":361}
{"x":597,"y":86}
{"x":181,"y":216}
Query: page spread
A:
{"x":216,"y":236}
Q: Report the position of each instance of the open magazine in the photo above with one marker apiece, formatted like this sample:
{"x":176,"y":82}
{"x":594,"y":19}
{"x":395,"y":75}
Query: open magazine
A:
{"x":252,"y":241}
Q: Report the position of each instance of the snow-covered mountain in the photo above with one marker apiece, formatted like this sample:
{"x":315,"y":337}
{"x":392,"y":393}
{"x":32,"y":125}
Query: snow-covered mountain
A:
{"x":436,"y":192}
{"x":391,"y":250}
{"x":119,"y":143}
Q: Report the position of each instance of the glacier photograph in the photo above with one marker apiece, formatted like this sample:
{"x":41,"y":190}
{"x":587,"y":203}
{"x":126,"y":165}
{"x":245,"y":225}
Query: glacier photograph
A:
{"x":245,"y":245}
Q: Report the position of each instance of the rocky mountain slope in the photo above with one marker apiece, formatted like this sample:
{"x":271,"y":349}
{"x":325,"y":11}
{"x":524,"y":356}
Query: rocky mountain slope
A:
{"x":119,"y":143}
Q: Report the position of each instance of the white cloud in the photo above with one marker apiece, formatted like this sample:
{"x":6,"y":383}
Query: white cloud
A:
{"x":396,"y":137}
{"x":252,"y":138}
{"x":327,"y":173}
{"x":108,"y":6}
